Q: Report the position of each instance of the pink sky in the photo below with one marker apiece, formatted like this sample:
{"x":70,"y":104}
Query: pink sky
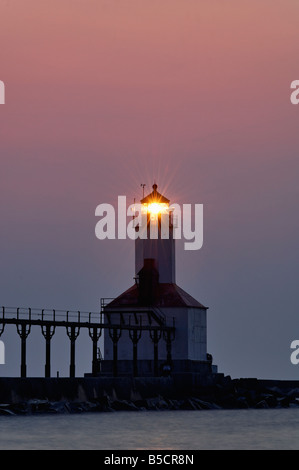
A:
{"x":104,"y":95}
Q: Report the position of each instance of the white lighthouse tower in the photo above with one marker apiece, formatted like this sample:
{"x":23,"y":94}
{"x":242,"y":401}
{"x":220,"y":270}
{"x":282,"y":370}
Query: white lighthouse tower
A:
{"x":155,"y":299}
{"x":153,"y":246}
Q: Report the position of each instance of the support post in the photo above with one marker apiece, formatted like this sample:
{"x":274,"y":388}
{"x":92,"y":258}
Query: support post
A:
{"x":73,"y":333}
{"x":168,"y":349}
{"x":155,"y":336}
{"x":95,"y":334}
{"x":135,"y":341}
{"x":47,"y":332}
{"x":169,"y":336}
{"x":135,"y":336}
{"x":23,"y":352}
{"x":115,"y":371}
{"x":115,"y":334}
{"x":48,"y":357}
{"x":23,"y":330}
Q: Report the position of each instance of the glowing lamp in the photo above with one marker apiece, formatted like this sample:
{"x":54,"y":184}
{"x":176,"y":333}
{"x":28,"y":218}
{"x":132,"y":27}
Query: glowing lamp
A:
{"x":155,"y":204}
{"x":156,"y":208}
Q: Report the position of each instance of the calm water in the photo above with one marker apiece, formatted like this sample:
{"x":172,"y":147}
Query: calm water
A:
{"x":193,"y":430}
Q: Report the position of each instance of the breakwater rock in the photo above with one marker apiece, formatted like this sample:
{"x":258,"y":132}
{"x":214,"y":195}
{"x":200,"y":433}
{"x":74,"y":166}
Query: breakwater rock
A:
{"x":55,"y":396}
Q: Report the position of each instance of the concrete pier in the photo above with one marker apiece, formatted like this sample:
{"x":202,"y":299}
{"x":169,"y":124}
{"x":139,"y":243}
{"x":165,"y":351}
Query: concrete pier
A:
{"x":13,"y":390}
{"x":180,"y":391}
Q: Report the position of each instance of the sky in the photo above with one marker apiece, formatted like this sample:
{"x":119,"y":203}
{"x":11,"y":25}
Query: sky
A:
{"x":105,"y":95}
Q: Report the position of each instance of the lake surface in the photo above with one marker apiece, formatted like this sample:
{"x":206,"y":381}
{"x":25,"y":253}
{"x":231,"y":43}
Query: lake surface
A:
{"x":177,"y":430}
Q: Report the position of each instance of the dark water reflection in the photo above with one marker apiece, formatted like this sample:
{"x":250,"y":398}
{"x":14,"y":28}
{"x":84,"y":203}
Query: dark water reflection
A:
{"x":196,"y":430}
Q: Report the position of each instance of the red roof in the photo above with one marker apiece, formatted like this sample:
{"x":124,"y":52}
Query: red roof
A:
{"x":170,"y":295}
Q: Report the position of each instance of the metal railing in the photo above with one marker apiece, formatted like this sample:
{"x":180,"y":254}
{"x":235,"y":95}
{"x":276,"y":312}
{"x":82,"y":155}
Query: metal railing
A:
{"x":105,"y":301}
{"x":51,"y":315}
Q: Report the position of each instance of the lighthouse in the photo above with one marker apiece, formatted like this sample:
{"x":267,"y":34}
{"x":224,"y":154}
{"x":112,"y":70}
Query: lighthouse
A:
{"x":155,"y":301}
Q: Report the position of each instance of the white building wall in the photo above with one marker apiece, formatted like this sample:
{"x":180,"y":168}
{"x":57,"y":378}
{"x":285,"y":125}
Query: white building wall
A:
{"x":160,"y":249}
{"x":197,"y":334}
{"x":166,"y":260}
